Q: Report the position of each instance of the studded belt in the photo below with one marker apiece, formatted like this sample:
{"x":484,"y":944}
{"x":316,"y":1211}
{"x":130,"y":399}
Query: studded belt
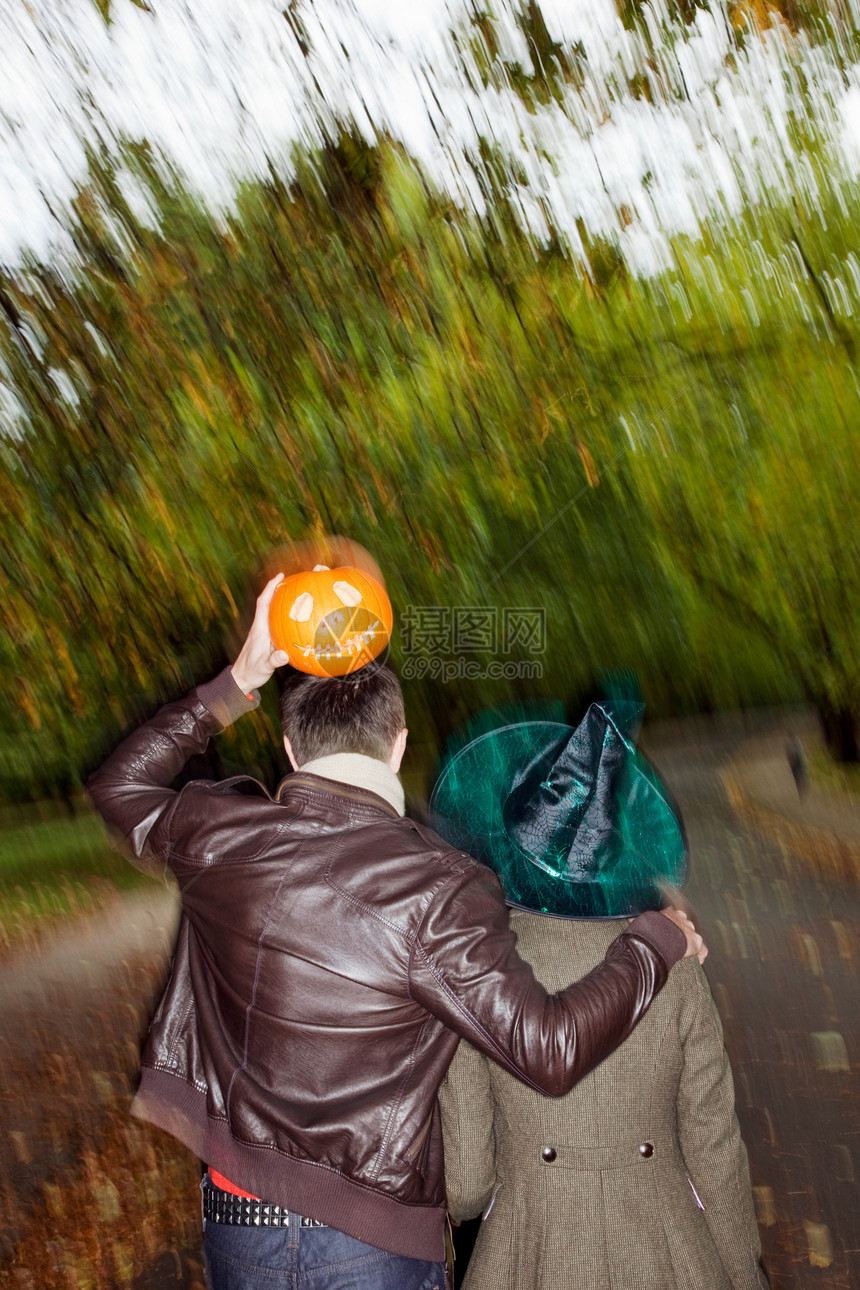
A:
{"x":221,"y":1207}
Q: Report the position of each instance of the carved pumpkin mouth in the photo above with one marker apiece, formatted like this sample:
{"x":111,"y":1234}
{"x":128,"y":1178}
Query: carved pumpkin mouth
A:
{"x":345,"y":634}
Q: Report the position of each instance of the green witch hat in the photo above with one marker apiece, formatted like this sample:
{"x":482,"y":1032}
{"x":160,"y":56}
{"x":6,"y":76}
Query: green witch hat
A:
{"x":574,"y":822}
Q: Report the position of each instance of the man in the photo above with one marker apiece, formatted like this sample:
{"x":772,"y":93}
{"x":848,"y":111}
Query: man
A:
{"x":330,"y":955}
{"x":797,"y":763}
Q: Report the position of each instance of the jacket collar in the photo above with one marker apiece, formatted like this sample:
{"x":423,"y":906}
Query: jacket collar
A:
{"x":321,"y":786}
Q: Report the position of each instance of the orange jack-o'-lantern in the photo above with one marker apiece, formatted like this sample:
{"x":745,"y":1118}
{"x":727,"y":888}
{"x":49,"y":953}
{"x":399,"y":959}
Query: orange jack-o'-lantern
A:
{"x":330,"y":621}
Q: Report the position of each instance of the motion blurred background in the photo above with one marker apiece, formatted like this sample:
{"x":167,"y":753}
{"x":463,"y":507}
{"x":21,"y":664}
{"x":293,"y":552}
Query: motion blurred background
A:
{"x":554,"y":308}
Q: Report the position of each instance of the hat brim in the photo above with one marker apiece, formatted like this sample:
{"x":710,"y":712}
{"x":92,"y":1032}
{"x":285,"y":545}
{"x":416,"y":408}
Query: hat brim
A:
{"x":467,"y":810}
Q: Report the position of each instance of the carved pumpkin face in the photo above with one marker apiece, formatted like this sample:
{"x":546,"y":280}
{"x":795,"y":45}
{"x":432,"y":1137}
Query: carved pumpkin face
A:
{"x":330,"y":621}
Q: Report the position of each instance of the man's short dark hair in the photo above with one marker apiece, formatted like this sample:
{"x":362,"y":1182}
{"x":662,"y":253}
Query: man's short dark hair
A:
{"x":360,"y":713}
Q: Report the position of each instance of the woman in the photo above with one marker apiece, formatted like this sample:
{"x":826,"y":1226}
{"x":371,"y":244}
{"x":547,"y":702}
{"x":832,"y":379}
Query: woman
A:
{"x":638,"y":1179}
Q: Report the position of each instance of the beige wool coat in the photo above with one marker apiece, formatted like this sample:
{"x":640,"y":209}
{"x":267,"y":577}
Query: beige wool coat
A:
{"x":636,"y":1180}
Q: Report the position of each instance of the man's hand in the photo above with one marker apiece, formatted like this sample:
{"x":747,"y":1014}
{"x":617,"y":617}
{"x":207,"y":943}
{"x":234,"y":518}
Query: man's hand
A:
{"x":258,"y":657}
{"x":695,"y":944}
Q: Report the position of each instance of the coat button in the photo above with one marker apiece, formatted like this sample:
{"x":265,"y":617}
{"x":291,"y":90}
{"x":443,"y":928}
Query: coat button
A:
{"x":549,"y":1154}
{"x":646,"y":1149}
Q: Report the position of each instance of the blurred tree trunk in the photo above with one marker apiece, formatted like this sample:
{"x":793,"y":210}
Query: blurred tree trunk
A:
{"x":840,"y":728}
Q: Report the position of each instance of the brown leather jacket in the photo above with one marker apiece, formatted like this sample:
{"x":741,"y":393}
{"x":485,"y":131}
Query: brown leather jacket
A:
{"x":330,"y":955}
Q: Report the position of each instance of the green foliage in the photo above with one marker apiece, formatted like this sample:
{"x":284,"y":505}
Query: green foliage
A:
{"x":56,"y":848}
{"x":665,"y":466}
{"x":833,"y":776}
{"x":106,"y":7}
{"x":53,"y":867}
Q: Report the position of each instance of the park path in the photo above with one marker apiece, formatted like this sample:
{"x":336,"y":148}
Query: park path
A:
{"x":785,"y":951}
{"x":71,"y":1017}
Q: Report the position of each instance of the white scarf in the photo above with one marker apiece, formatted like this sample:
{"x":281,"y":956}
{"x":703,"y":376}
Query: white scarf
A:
{"x":361,"y":772}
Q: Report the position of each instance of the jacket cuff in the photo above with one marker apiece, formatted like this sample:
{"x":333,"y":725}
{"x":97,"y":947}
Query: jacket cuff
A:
{"x":661,"y":933}
{"x":225,"y":700}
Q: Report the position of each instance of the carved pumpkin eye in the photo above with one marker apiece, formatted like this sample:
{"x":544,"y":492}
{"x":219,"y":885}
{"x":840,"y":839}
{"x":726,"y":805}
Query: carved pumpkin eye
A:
{"x":302,"y":608}
{"x":346,"y":592}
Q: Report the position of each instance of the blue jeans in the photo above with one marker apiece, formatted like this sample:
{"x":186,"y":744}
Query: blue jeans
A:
{"x":307,"y":1258}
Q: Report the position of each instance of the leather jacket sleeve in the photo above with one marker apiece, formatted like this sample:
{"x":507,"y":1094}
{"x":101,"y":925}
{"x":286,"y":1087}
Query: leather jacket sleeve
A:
{"x":131,"y":790}
{"x":465,"y":969}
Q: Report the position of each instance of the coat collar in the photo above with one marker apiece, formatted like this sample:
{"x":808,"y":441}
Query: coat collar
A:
{"x":319,"y":785}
